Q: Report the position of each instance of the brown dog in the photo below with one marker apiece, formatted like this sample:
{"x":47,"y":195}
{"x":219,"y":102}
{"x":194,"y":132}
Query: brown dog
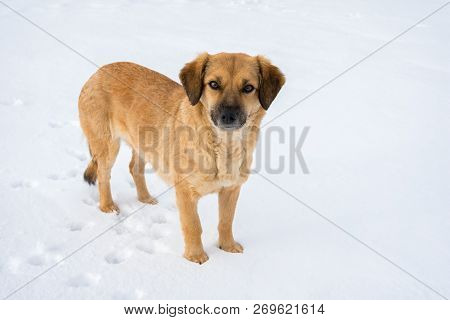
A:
{"x":199,"y":138}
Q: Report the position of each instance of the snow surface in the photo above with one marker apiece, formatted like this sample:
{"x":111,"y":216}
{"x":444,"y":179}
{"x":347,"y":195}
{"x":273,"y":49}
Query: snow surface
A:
{"x":378,"y":153}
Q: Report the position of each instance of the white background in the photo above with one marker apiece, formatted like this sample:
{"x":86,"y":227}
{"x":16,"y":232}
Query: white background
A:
{"x":377,"y":151}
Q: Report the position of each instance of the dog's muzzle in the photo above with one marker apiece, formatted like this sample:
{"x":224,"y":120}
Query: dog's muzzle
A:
{"x":229,"y":117}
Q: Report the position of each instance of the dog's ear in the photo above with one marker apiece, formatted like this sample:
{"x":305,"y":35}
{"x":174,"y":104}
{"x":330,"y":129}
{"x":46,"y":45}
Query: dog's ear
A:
{"x":191,"y":77}
{"x":271,"y":79}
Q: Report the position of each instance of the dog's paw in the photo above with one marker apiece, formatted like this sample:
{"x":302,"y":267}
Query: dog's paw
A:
{"x":197,"y":257}
{"x":149,"y":200}
{"x":110,"y":208}
{"x":233,"y":247}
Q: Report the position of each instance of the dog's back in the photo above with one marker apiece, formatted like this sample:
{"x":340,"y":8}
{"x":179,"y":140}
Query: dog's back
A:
{"x":124,"y":85}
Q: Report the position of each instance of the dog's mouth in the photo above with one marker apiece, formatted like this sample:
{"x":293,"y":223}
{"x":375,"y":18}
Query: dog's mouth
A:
{"x":228,"y":118}
{"x":230,"y":128}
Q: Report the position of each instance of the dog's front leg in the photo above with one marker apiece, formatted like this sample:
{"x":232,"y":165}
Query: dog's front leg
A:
{"x":227,"y":205}
{"x":190,"y":224}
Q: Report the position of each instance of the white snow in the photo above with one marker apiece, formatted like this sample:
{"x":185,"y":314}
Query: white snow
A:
{"x":378,"y":153}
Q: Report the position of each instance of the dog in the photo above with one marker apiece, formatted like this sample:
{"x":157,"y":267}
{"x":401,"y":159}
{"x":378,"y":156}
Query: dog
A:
{"x":198,"y":136}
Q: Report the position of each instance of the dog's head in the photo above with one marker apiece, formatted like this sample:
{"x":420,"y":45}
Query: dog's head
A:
{"x":232,"y":86}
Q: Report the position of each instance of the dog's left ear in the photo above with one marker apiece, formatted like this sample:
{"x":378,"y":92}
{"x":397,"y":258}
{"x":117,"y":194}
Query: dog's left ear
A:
{"x":191,"y":77}
{"x":271,"y":79}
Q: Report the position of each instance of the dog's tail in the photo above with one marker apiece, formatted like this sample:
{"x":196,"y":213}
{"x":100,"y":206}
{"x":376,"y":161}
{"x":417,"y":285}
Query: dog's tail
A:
{"x":90,"y":174}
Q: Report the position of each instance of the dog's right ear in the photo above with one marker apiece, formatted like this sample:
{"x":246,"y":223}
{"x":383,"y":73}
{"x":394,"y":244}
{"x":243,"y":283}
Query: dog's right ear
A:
{"x":191,"y":77}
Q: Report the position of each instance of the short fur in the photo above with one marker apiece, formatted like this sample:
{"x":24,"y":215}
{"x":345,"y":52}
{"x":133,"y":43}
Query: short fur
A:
{"x":148,"y":110}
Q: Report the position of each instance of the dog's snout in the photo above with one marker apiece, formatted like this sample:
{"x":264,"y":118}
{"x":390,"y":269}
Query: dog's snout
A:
{"x":229,"y":117}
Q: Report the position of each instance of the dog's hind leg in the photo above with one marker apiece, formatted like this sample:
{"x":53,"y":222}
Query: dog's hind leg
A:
{"x":137,"y":167}
{"x":90,"y":174}
{"x":105,"y":153}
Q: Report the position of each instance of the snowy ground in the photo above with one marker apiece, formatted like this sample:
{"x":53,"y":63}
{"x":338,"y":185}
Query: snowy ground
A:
{"x":378,"y":153}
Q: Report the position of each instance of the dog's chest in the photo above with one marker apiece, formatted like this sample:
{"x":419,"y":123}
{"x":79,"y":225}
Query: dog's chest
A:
{"x":208,"y":164}
{"x":226,"y":167}
{"x":229,"y":162}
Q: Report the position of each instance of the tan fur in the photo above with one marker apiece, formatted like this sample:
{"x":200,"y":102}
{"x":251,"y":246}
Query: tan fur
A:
{"x":150,"y":112}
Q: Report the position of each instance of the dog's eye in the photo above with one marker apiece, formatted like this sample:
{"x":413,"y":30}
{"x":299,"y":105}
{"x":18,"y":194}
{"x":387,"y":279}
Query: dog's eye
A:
{"x":214,"y":85}
{"x":248,"y":88}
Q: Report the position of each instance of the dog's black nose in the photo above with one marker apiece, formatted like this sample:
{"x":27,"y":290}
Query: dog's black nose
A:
{"x":229,"y":116}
